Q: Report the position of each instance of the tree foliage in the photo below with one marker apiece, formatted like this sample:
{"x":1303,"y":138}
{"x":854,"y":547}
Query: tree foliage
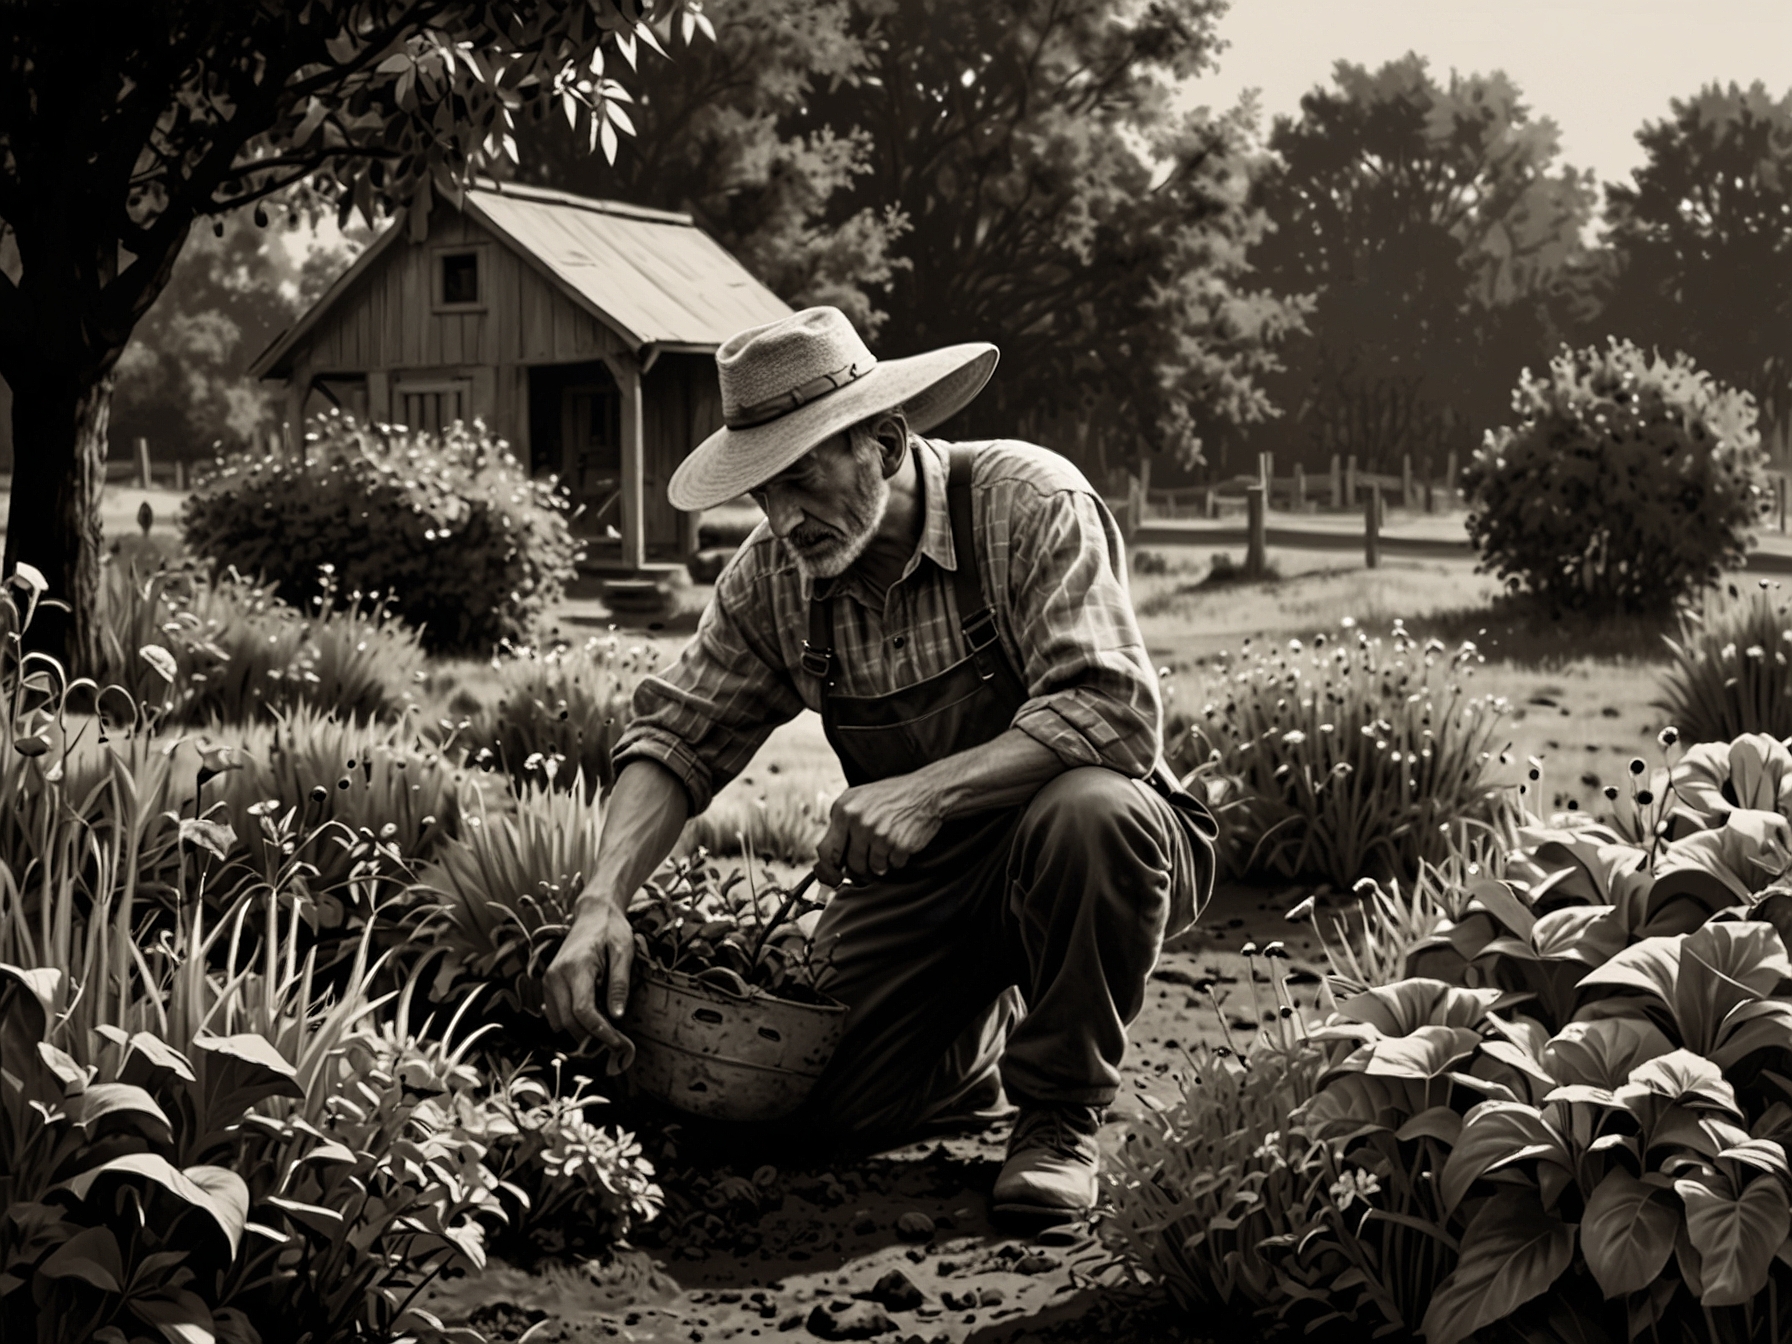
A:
{"x":183,"y":380}
{"x":1437,"y":236}
{"x":1057,"y":207}
{"x":117,"y":135}
{"x":1701,"y":239}
{"x":715,"y":137}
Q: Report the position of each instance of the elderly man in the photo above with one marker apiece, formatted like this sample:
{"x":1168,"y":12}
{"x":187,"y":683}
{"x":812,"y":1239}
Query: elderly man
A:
{"x":1011,"y":852}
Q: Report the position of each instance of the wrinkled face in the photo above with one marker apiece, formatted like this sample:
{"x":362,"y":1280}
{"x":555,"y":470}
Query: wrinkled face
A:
{"x":827,"y":505}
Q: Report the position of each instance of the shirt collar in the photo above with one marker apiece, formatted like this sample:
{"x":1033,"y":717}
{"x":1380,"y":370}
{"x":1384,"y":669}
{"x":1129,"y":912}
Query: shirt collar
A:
{"x":936,"y":525}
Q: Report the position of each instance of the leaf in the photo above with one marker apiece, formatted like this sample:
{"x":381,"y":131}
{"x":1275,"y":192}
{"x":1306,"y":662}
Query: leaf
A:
{"x":1650,"y":966}
{"x":1403,"y":1007}
{"x":160,"y":661}
{"x":1496,"y":1134}
{"x":1512,"y":1251}
{"x":1499,"y":900}
{"x":238,"y":1072}
{"x":91,"y":1256}
{"x":1440,"y":1122}
{"x":104,"y":1100}
{"x":181,"y":1316}
{"x":215,"y":837}
{"x":1627,"y":1233}
{"x":1680,"y":1076}
{"x":1424,"y":1053}
{"x":224,"y":1211}
{"x":1601,"y":1053}
{"x":1735,"y":1238}
{"x":1723,"y":966}
{"x":1588,"y":934}
{"x":229,"y":1199}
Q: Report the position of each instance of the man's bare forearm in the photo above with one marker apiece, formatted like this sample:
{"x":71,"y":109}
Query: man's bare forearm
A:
{"x":1006,"y":771}
{"x":643,"y":819}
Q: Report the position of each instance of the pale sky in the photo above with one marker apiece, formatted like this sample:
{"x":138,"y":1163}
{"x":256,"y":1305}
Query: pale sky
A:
{"x":1598,"y":68}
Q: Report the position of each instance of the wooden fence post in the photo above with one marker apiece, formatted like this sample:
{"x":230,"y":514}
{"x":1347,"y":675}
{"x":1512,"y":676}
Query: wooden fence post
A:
{"x":1450,"y":478}
{"x":143,"y":474}
{"x":1213,"y":510}
{"x":1406,"y":480}
{"x":1779,"y":486}
{"x":1135,"y":508}
{"x":1256,"y":547}
{"x":180,"y":474}
{"x":1350,"y":481}
{"x":1337,"y":482}
{"x":1372,"y":526}
{"x":1300,"y":488}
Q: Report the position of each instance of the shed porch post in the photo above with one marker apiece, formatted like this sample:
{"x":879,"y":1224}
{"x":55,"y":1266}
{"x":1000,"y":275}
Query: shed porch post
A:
{"x":634,"y":521}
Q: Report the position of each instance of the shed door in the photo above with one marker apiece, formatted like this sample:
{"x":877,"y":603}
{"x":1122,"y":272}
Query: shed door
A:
{"x":591,"y":430}
{"x":433,"y":406}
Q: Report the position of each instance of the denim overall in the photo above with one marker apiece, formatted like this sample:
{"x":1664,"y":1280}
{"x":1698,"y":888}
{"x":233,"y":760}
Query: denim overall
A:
{"x":1031,"y":915}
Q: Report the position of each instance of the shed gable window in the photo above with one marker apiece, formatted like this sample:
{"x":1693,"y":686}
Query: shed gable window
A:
{"x":459,"y":278}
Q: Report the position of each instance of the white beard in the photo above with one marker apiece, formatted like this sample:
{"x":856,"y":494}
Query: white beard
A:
{"x":838,"y":554}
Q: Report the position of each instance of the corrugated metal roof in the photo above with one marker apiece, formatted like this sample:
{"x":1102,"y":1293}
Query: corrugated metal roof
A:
{"x":654,"y":276}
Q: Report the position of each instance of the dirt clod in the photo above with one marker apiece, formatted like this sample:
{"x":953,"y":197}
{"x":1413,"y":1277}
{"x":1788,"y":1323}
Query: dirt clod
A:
{"x":914,"y":1226}
{"x":860,"y":1320}
{"x":897,"y":1292}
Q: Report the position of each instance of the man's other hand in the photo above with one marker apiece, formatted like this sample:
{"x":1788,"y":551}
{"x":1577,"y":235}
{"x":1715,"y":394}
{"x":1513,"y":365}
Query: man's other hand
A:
{"x":877,"y":827}
{"x":594,"y":960}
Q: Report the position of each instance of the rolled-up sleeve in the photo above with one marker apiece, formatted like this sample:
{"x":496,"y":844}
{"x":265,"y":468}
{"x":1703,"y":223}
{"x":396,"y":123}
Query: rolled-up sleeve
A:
{"x":1092,"y":694}
{"x":705,"y":716}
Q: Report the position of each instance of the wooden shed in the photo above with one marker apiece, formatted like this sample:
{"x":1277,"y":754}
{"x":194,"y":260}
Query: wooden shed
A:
{"x":581,"y":331}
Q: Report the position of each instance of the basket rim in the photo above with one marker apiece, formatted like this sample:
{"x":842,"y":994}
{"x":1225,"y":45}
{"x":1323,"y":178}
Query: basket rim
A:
{"x":684,"y":980}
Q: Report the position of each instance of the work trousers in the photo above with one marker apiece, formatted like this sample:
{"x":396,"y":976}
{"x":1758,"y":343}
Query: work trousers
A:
{"x":1032,"y":956}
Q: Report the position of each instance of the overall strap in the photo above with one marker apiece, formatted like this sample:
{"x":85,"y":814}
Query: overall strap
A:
{"x":976,"y":619}
{"x":818,"y":648}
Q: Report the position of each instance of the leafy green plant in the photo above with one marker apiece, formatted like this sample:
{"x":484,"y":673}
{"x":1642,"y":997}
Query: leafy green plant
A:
{"x":1728,"y":675}
{"x":1348,"y":758}
{"x":450,"y":527}
{"x":1625,"y":484}
{"x":558,"y":713}
{"x":1209,"y":1190}
{"x":568,"y":1185}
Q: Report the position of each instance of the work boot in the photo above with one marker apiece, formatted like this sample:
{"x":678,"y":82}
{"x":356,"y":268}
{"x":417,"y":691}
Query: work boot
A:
{"x":1052,"y":1161}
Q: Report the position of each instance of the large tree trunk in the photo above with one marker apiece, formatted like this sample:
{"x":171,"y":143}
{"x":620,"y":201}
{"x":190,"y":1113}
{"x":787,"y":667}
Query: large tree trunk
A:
{"x":59,"y":423}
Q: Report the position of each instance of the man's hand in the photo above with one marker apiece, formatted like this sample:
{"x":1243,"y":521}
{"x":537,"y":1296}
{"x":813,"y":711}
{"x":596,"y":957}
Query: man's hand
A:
{"x":596,"y":956}
{"x":877,"y":827}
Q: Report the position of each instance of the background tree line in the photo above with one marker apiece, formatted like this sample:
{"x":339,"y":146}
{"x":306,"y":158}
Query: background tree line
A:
{"x":1368,"y":277}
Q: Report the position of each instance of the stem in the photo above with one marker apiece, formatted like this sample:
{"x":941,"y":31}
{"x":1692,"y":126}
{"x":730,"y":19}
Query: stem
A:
{"x":782,"y":914}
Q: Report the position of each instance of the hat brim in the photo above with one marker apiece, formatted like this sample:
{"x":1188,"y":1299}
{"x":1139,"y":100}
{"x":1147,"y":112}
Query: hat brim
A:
{"x":932,"y":387}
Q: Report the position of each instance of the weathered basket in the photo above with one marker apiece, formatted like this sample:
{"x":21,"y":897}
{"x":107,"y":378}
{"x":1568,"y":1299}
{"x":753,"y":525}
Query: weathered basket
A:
{"x":715,"y":1054}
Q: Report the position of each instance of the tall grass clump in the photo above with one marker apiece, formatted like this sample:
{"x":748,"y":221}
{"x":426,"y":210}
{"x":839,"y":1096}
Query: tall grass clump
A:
{"x":562,"y":708}
{"x":1348,"y":758}
{"x":1728,"y":675}
{"x":496,"y":898}
{"x":236,"y":652}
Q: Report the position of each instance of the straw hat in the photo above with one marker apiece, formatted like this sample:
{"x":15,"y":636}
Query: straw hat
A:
{"x":793,"y":383}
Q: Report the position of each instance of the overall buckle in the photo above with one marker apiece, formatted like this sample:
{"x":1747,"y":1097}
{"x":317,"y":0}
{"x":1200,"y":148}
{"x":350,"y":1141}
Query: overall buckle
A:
{"x":980,"y":634}
{"x":817,"y":662}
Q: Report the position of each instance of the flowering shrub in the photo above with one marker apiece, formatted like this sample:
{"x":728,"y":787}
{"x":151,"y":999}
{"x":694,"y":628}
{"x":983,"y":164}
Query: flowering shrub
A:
{"x":1729,"y":671}
{"x":1349,"y":758}
{"x":449,"y":528}
{"x":1625,"y":483}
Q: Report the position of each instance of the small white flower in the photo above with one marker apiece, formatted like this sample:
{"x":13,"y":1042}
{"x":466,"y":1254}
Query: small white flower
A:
{"x":1293,"y":737}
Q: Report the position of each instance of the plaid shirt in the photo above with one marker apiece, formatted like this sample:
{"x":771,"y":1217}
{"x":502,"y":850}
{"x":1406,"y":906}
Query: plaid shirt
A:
{"x":1052,"y":564}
